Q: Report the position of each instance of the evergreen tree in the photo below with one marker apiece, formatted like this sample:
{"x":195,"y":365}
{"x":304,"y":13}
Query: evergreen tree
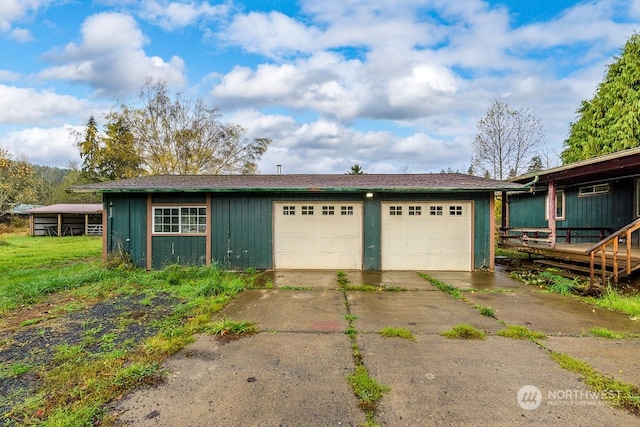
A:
{"x":609,"y":122}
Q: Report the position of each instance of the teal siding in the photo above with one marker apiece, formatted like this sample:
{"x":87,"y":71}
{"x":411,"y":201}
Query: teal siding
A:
{"x":611,"y":211}
{"x":371,"y":223}
{"x":482,"y":233}
{"x":242,"y":232}
{"x":242,"y":227}
{"x":175,"y":249}
{"x":127,"y":225}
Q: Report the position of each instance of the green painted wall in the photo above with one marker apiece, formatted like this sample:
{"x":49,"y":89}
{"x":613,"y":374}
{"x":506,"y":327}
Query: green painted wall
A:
{"x":242,"y":227}
{"x":185,"y":250}
{"x":126,"y":225}
{"x":613,"y":210}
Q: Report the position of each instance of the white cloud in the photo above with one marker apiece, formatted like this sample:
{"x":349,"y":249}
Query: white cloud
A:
{"x":171,"y":15}
{"x":14,"y":10}
{"x":111,"y":59}
{"x":273,"y":34}
{"x":21,"y":35}
{"x":43,"y":146}
{"x":26,"y":106}
{"x":8,"y":76}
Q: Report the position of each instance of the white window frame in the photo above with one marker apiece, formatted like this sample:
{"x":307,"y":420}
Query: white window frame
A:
{"x":563,"y":199}
{"x":185,"y":220}
{"x":594,"y":190}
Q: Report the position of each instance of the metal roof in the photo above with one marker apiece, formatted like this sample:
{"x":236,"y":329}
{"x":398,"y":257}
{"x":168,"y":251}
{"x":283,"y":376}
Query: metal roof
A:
{"x":92,"y":208}
{"x":442,"y":182}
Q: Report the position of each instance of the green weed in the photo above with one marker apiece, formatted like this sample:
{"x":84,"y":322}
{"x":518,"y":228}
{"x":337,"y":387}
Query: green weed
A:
{"x":607,"y":333}
{"x":11,"y":370}
{"x":367,"y":390}
{"x":464,"y":331}
{"x":520,"y":332}
{"x":613,"y":300}
{"x":618,"y":393}
{"x":296,"y":288}
{"x":451,"y":290}
{"x":485,"y":311}
{"x":397,"y":332}
{"x":227,"y":326}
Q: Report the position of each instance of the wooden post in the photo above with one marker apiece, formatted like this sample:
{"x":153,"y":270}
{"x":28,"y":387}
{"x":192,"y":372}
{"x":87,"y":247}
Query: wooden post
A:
{"x":59,"y":225}
{"x":551,"y":214}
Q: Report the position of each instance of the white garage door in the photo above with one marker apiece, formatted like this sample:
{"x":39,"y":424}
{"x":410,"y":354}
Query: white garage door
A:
{"x":426,"y":235}
{"x":318,"y":235}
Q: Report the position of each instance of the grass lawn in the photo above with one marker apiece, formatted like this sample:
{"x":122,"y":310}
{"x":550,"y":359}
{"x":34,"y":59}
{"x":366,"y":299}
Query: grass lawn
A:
{"x":75,"y":336}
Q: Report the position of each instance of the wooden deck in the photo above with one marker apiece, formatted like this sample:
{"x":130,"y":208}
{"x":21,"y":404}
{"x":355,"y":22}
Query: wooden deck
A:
{"x":572,"y":252}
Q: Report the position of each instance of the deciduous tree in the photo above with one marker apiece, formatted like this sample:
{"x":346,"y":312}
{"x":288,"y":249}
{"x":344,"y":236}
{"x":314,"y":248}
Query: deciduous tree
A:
{"x":18,"y":182}
{"x":183,"y":136}
{"x":506,"y":141}
{"x":609,"y":122}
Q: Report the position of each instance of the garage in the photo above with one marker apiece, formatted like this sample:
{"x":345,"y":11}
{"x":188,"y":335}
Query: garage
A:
{"x":318,"y":235}
{"x":426,"y":235}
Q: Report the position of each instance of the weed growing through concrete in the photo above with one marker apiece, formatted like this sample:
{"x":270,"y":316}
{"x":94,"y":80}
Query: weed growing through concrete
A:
{"x":350,"y":318}
{"x":627,"y":396}
{"x":367,"y":389}
{"x":343,"y":280}
{"x":296,"y":288}
{"x":609,"y":334}
{"x":451,"y":290}
{"x":520,"y":332}
{"x":464,"y":331}
{"x":485,"y":311}
{"x":403,"y":333}
{"x":226,"y":326}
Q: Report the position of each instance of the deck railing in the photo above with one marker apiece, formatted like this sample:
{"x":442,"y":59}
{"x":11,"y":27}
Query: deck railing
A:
{"x":614,"y":239}
{"x":526,"y":236}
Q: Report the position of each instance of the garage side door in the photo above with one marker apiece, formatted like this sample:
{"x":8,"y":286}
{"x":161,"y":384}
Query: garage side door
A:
{"x":426,"y":236}
{"x":317,"y":235}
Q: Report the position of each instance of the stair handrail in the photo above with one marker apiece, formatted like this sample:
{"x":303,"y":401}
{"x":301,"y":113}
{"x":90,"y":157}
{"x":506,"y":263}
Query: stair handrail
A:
{"x":614,"y":235}
{"x":602,"y":245}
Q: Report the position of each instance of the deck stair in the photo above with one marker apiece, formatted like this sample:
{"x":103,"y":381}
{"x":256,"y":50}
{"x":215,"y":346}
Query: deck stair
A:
{"x":573,"y":268}
{"x":621,"y":260}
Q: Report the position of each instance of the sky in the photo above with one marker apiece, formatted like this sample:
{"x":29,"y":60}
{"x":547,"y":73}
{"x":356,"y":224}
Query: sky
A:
{"x":394,"y":86}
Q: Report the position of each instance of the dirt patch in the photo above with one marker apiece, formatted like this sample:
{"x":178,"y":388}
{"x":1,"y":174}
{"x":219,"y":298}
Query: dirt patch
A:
{"x":115,"y":324}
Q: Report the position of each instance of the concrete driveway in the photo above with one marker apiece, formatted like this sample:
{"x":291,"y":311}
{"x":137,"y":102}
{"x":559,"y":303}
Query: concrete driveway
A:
{"x":294,"y":372}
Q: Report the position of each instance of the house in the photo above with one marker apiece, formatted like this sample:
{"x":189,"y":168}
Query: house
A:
{"x":368,"y":222}
{"x":66,"y":220}
{"x":582,"y":212}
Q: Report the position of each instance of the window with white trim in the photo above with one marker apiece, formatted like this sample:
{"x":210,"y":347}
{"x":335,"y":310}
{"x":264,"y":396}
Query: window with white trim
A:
{"x":594,"y":190}
{"x":435,"y":210}
{"x":560,"y":206}
{"x":307,"y":210}
{"x":180,"y":219}
{"x":288,"y":210}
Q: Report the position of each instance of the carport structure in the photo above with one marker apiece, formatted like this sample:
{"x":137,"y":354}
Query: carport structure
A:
{"x":353,"y":222}
{"x":66,"y":220}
